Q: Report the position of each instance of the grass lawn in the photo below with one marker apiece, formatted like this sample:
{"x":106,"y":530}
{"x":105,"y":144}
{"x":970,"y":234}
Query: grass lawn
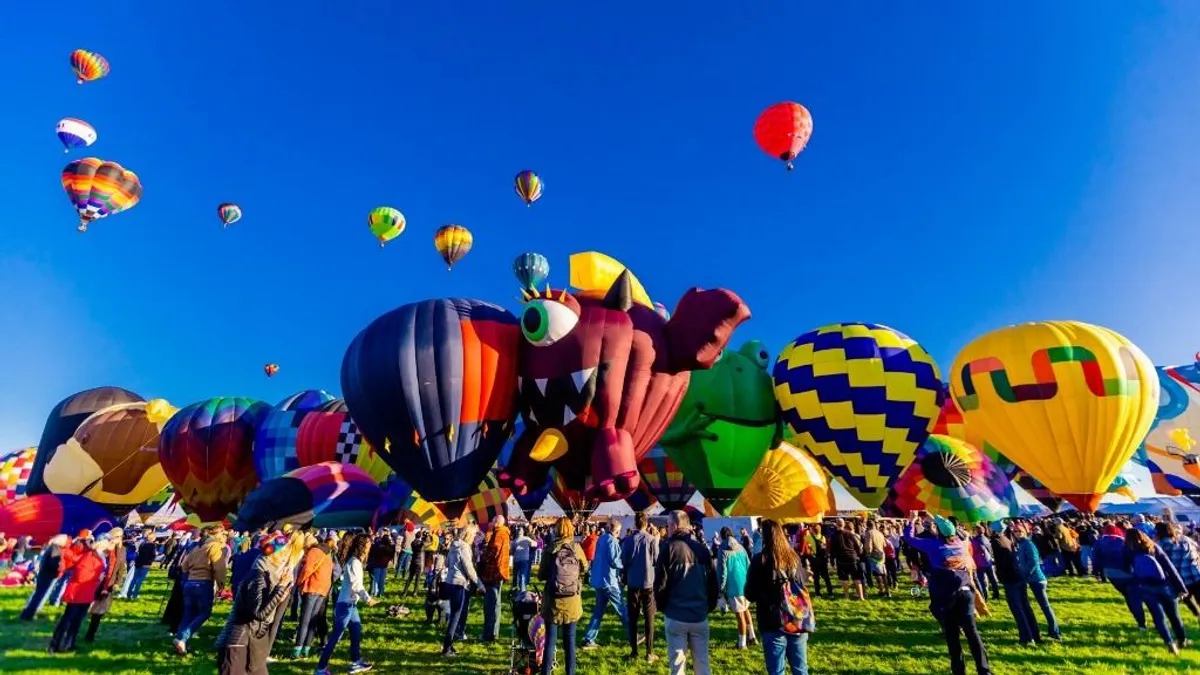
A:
{"x":889,"y":637}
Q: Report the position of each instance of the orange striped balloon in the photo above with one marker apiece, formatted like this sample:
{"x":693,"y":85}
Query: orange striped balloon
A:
{"x":98,"y":188}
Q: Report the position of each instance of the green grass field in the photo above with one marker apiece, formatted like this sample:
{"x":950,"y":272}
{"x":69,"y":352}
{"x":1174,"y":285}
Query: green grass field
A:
{"x":889,"y":637}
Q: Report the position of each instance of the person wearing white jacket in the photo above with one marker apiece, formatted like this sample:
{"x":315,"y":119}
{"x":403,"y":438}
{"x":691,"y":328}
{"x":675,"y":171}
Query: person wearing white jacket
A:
{"x":461,"y":578}
{"x":345,"y":614}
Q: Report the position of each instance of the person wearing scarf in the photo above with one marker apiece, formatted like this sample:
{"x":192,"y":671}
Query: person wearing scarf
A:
{"x":245,"y":642}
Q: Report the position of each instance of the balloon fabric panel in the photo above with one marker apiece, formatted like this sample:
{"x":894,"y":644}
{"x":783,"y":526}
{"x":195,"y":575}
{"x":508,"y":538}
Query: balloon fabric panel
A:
{"x":44,"y":516}
{"x":15,"y":470}
{"x":65,"y":418}
{"x":1169,"y":450}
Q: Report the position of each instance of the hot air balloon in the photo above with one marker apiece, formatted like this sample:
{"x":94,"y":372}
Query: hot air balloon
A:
{"x":1028,"y":387}
{"x":270,"y":369}
{"x":401,"y":502}
{"x":726,"y":423}
{"x":206,"y":452}
{"x":532,"y":500}
{"x":950,"y":477}
{"x":326,"y":495}
{"x":386,"y":224}
{"x":112,"y":458}
{"x":662,"y":311}
{"x":572,"y":499}
{"x":452,"y":242}
{"x":783,"y":130}
{"x":65,"y":418}
{"x":432,"y":385}
{"x":88,"y":66}
{"x":159,"y":500}
{"x":1169,"y":448}
{"x":950,"y":423}
{"x":75,"y":133}
{"x":229,"y":213}
{"x":275,"y":440}
{"x":487,"y":502}
{"x":15,"y":469}
{"x":788,"y":486}
{"x":329,"y":434}
{"x":861,"y":399}
{"x":528,"y":186}
{"x":44,"y":516}
{"x":531,"y":270}
{"x":641,"y":499}
{"x":98,"y":189}
{"x":663,"y":479}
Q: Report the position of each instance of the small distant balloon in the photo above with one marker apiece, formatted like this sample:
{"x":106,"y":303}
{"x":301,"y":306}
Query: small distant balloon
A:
{"x":453,"y":243}
{"x":270,"y":369}
{"x":386,"y":224}
{"x":783,"y":130}
{"x":531,"y":269}
{"x":88,"y":66}
{"x":528,"y":186}
{"x":662,"y":311}
{"x":75,"y":133}
{"x":229,"y":214}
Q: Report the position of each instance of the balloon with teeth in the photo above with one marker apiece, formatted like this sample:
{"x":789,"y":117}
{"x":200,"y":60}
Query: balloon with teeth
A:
{"x":433,"y":385}
{"x":602,"y":373}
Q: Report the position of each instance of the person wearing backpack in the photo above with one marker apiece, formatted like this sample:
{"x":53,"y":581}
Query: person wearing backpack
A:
{"x":494,"y":570}
{"x":562,"y":568}
{"x":783,"y":611}
{"x":1159,"y":587}
{"x":685,"y":588}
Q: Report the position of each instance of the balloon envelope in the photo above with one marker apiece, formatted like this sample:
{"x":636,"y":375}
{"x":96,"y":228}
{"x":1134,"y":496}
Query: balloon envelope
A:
{"x":88,"y":66}
{"x":275,"y":440}
{"x":44,"y":516}
{"x":861,"y":398}
{"x":1169,"y":450}
{"x":15,"y":469}
{"x":75,"y":133}
{"x":65,"y":418}
{"x":531,"y":270}
{"x":329,"y":434}
{"x":453,"y":243}
{"x":1067,"y":401}
{"x":788,"y":486}
{"x":664,"y":481}
{"x":98,"y":188}
{"x":783,"y":130}
{"x":950,"y":477}
{"x":323,"y":495}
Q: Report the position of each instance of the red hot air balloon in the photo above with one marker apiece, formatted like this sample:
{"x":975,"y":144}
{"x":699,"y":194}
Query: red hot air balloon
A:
{"x":783,"y":130}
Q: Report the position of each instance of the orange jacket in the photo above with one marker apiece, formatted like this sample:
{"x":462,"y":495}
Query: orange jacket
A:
{"x":316,"y":572}
{"x":494,"y":566}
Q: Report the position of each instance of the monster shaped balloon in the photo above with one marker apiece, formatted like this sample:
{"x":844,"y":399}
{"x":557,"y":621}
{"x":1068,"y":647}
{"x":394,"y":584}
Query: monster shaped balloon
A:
{"x":65,"y":418}
{"x":602,"y":376}
{"x":726,"y":423}
{"x":432,"y":387}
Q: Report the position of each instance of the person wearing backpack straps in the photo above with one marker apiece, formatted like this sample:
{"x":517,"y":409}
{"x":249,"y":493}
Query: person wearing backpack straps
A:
{"x":494,"y":570}
{"x":1159,"y":586}
{"x":685,"y":589}
{"x":783,"y":610}
{"x":562,"y":568}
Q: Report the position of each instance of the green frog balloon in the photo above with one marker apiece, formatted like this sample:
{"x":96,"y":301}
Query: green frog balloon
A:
{"x":726,"y":423}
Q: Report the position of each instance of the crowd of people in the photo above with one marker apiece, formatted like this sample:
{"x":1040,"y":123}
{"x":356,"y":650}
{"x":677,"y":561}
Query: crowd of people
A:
{"x":318,"y":581}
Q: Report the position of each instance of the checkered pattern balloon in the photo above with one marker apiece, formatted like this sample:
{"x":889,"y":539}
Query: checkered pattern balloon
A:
{"x":485,"y":505}
{"x":861,"y":398}
{"x":950,"y":477}
{"x":15,"y":468}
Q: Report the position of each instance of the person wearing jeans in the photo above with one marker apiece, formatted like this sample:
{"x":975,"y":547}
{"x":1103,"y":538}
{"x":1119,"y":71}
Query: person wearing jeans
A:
{"x":204,"y":570}
{"x":522,"y":559}
{"x":685,"y":588}
{"x":606,"y":580}
{"x":460,"y":576}
{"x":494,"y":570}
{"x":1030,"y":565}
{"x":313,"y":582}
{"x":562,"y":569}
{"x":1016,"y":591}
{"x":639,"y":554}
{"x":146,"y":554}
{"x":770,"y":568}
{"x":345,"y":613}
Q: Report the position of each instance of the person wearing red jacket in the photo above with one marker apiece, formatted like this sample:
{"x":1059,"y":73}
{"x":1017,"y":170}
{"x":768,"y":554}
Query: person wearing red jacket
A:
{"x":87,"y":572}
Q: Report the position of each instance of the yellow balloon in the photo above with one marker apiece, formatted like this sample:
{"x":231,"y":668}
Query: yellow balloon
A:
{"x":594,"y":272}
{"x":1067,"y":401}
{"x":788,"y":486}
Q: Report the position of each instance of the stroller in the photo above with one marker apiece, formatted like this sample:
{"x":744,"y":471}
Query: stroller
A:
{"x":529,"y":634}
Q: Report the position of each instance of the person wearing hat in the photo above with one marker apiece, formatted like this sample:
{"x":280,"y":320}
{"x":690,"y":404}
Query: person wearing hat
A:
{"x":112,"y":548}
{"x":86,"y":568}
{"x":952,"y":594}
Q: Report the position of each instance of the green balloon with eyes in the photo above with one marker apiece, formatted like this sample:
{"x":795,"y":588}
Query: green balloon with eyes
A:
{"x":726,"y":423}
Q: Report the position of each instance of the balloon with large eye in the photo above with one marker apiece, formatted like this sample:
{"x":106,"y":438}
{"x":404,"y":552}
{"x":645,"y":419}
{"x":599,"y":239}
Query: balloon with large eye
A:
{"x":453,"y":243}
{"x":1169,"y":449}
{"x":531,"y":270}
{"x":98,"y":189}
{"x":65,"y":418}
{"x":229,"y":213}
{"x":386,"y":224}
{"x":783,"y":130}
{"x":75,"y":133}
{"x":88,"y":66}
{"x":528,"y":186}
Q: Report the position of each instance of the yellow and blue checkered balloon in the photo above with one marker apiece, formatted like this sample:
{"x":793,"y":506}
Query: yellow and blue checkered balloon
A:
{"x":861,"y":398}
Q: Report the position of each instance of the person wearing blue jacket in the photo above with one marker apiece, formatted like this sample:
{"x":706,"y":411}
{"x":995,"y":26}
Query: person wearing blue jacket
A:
{"x":606,"y":580}
{"x":1113,"y":561}
{"x":1029,"y":563}
{"x":733,"y":563}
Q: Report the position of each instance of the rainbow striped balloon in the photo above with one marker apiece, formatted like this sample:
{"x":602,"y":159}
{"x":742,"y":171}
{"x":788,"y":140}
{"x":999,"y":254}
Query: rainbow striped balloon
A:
{"x":98,"y":189}
{"x":88,"y":66}
{"x":528,"y":186}
{"x":453,"y":242}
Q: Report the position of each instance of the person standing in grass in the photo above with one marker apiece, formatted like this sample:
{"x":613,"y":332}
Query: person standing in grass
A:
{"x":345,"y":613}
{"x":952,"y":595}
{"x":245,"y":642}
{"x":1159,"y":586}
{"x":875,"y":554}
{"x":773,"y":574}
{"x":985,"y":570}
{"x":147,"y":551}
{"x":416,"y":568}
{"x":313,"y":581}
{"x":494,"y":570}
{"x":461,"y":578}
{"x":49,"y":564}
{"x":685,"y":588}
{"x":204,"y":570}
{"x":1185,"y":556}
{"x":1016,"y":592}
{"x":86,"y":569}
{"x":1029,"y":563}
{"x":113,"y":551}
{"x":733,"y":564}
{"x":562,"y":568}
{"x":848,"y":549}
{"x":522,"y":554}
{"x":639,"y":555}
{"x":405,"y":550}
{"x":383,"y":552}
{"x":606,"y":580}
{"x":818,"y":544}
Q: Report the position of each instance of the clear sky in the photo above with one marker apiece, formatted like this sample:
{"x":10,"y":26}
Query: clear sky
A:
{"x":969,"y":168}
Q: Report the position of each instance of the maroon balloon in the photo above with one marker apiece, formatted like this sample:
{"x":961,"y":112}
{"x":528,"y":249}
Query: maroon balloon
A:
{"x":608,"y":375}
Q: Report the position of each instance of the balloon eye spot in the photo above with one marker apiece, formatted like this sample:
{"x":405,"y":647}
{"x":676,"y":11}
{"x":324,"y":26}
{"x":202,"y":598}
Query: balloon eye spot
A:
{"x":545,"y":322}
{"x":762,"y":355}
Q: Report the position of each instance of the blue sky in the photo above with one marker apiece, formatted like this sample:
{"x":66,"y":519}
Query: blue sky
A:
{"x":968,"y":169}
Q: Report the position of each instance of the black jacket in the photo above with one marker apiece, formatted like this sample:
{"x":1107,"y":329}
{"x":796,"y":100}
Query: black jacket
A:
{"x":685,"y":580}
{"x":764,"y":587}
{"x":146,"y":554}
{"x":1004,"y":553}
{"x":252,"y":618}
